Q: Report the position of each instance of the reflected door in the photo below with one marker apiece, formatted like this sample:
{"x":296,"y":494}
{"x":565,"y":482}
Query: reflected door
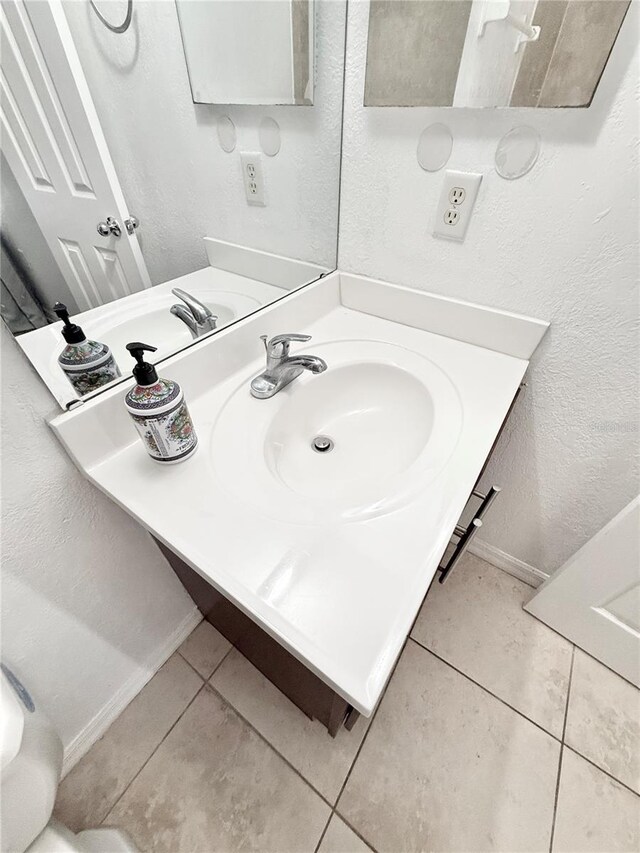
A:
{"x":594,"y":599}
{"x":55,"y":147}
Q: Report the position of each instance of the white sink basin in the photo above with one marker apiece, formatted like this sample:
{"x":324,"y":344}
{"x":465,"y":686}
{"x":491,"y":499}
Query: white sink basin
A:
{"x":393,"y":418}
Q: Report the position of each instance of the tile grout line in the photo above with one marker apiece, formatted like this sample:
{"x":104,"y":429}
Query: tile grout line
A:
{"x":548,"y":627}
{"x":215,"y":669}
{"x":576,"y":647}
{"x":191,"y":667}
{"x":355,"y":831}
{"x":601,"y":769}
{"x":206,"y":683}
{"x":373,"y":717}
{"x":334,"y":809}
{"x":341,"y":817}
{"x":298,"y":773}
{"x":158,"y":745}
{"x":564,"y":729}
{"x":295,"y":769}
{"x":262,"y":737}
{"x":486,"y":690}
{"x":324,"y":831}
{"x":226,"y":655}
{"x":606,"y":666}
{"x":270,"y":745}
{"x":531,"y":591}
{"x":174,"y":724}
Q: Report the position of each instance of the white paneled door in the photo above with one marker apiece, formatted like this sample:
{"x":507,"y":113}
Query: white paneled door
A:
{"x":53,"y":142}
{"x":594,"y":599}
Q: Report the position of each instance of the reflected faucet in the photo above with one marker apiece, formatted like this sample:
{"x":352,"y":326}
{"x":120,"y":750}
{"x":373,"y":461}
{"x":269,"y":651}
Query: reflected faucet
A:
{"x":283,"y":368}
{"x":195,"y":315}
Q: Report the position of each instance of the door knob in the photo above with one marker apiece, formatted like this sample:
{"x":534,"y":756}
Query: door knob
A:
{"x":131,"y":224}
{"x":111,"y":226}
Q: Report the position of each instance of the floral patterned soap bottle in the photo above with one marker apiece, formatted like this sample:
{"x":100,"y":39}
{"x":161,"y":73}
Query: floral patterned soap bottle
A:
{"x":159,"y":411}
{"x":86,"y":364}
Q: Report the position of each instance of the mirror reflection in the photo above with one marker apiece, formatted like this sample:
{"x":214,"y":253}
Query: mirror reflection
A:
{"x":248,"y":52}
{"x":488,"y":53}
{"x":138,"y":214}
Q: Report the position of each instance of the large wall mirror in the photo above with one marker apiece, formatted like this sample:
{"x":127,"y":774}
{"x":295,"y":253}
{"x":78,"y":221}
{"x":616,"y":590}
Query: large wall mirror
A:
{"x":170,"y":166}
{"x":151,"y":217}
{"x":488,"y":53}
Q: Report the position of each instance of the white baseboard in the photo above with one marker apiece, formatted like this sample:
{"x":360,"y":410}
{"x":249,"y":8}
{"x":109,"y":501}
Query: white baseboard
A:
{"x":511,"y":565}
{"x":129,"y":690}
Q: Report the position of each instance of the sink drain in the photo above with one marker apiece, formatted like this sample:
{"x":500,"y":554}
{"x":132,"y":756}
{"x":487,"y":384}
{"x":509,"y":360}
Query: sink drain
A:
{"x":322,"y":444}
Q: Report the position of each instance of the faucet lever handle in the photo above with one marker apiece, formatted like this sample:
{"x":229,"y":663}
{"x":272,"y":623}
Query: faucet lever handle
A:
{"x":200,"y":312}
{"x":283,"y":341}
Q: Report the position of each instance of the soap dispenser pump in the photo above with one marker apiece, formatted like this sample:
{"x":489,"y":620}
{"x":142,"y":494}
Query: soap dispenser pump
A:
{"x":86,"y":364}
{"x":159,"y":411}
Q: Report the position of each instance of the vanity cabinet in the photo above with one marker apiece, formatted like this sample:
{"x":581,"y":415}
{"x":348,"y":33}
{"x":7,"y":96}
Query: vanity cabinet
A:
{"x":305,"y":689}
{"x":293,"y":678}
{"x":331,"y":633}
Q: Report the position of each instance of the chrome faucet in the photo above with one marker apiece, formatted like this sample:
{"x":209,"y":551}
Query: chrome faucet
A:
{"x":283,"y":368}
{"x":197,"y":316}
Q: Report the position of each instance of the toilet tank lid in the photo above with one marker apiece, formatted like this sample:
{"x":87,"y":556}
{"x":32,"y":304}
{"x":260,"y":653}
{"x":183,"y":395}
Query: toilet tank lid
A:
{"x":12,"y":713}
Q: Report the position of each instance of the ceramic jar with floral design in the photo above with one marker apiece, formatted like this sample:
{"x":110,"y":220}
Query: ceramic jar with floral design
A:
{"x":88,"y":365}
{"x":162,"y":419}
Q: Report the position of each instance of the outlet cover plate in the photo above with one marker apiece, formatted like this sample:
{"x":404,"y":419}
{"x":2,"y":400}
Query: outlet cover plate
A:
{"x":458,"y":196}
{"x":253,"y":178}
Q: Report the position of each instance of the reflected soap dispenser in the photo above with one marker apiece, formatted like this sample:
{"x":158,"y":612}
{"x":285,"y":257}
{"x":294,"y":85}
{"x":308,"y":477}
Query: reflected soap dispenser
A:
{"x":86,"y":364}
{"x":159,"y":411}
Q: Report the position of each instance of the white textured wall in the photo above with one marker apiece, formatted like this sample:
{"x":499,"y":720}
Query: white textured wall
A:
{"x":560,"y":244}
{"x":174,"y":175}
{"x":88,"y":601}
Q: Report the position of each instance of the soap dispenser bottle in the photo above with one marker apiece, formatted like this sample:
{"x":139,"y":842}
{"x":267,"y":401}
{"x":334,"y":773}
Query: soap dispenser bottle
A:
{"x":159,"y":411}
{"x":86,"y":364}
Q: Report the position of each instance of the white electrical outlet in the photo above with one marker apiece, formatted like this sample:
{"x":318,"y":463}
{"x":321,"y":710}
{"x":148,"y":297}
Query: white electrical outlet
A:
{"x":455,"y":207}
{"x":253,"y":177}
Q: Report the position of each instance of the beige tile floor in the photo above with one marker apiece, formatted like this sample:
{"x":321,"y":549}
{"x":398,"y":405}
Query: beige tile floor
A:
{"x":494,"y":734}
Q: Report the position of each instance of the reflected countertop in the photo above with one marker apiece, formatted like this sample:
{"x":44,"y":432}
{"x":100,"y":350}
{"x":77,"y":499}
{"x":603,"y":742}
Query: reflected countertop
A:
{"x":146,"y":316}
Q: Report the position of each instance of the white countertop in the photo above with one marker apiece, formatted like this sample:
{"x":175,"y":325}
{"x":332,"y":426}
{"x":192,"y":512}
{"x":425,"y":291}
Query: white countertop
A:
{"x":339,"y":593}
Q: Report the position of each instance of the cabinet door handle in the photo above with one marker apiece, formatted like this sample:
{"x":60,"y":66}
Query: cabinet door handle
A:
{"x":466,"y":534}
{"x":460,"y":548}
